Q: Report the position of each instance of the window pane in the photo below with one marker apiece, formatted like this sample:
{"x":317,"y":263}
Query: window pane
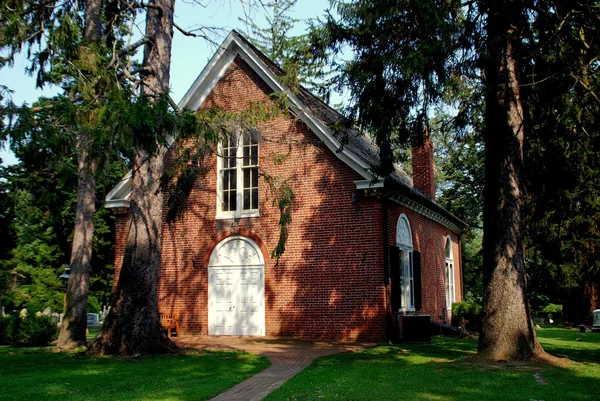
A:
{"x":233,"y":180}
{"x":255,"y":198}
{"x":246,"y":160}
{"x":232,"y":201}
{"x":225,"y":202}
{"x":254,"y":153}
{"x":247,"y":173}
{"x":246,"y":199}
{"x":254,"y":178}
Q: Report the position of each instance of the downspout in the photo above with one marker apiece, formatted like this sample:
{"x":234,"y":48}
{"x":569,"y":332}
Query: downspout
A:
{"x":462,"y":268}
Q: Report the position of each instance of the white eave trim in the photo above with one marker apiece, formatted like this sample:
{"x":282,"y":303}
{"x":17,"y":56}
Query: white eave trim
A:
{"x":208,"y":78}
{"x":118,"y":197}
{"x":368,"y":184}
{"x":426,"y":212}
{"x":117,"y":204}
{"x":219,"y":64}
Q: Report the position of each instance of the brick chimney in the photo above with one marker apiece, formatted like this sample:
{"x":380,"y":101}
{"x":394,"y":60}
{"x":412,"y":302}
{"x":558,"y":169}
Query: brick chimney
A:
{"x":424,"y":168}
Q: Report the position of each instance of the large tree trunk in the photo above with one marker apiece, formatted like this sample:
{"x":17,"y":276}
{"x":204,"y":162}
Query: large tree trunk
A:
{"x":74,"y":325}
{"x":133,"y":326}
{"x":507,"y":331}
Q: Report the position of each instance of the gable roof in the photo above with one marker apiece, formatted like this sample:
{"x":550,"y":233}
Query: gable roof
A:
{"x":350,"y":145}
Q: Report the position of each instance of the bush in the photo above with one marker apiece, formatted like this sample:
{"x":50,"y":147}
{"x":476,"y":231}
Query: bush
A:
{"x":93,"y":305}
{"x":4,"y":322}
{"x":467,"y":315}
{"x":32,"y":331}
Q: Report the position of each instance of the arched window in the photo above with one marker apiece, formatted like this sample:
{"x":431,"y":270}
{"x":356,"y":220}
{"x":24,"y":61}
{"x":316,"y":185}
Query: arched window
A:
{"x":450,"y":296}
{"x":405,"y":247}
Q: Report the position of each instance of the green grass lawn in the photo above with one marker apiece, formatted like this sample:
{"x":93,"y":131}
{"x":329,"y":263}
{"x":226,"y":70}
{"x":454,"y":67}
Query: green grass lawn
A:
{"x":37,"y":374}
{"x":438,"y":371}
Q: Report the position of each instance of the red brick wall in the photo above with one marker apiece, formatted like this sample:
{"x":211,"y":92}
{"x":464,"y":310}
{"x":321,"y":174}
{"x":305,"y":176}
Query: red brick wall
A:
{"x":330,"y":282}
{"x":424,"y":168}
{"x":121,"y":225}
{"x":429,"y":238}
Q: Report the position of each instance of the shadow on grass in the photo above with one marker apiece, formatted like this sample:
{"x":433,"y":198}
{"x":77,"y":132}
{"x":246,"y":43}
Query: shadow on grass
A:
{"x":570,"y":343}
{"x":438,"y":371}
{"x":59,"y":376}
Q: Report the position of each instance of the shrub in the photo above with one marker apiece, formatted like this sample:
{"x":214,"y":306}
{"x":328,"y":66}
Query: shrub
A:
{"x":32,"y":331}
{"x":4,"y":323}
{"x":467,"y":315}
{"x":93,"y":305}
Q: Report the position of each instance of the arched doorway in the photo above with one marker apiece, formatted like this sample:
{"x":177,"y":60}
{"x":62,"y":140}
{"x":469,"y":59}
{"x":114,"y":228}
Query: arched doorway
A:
{"x":236,"y":295}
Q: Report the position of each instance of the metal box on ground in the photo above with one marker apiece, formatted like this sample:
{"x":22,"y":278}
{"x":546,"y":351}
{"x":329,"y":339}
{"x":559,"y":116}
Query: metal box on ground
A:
{"x":415,"y":328}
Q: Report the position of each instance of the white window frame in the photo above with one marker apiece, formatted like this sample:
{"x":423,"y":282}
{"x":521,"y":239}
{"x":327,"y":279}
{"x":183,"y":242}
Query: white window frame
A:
{"x":449,"y":274}
{"x":239,"y":212}
{"x":407,"y":281}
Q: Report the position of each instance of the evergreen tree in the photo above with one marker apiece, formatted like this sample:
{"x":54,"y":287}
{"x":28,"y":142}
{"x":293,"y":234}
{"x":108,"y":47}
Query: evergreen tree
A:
{"x":133,"y":326}
{"x":407,"y":53}
{"x":84,"y":63}
{"x":292,"y":53}
{"x":562,"y":163}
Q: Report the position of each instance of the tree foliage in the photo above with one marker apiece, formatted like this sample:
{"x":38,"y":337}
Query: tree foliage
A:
{"x":411,"y":56}
{"x":292,"y":53}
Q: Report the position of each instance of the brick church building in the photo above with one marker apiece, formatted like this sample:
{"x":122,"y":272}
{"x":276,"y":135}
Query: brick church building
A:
{"x":360,"y":253}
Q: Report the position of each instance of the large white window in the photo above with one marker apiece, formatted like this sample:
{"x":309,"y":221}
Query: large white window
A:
{"x":405,"y":246}
{"x":237,"y":180}
{"x":450,"y":295}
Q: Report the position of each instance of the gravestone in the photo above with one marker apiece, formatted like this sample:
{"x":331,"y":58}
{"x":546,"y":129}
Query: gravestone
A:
{"x":93,"y":320}
{"x":56,"y":317}
{"x":47,"y":312}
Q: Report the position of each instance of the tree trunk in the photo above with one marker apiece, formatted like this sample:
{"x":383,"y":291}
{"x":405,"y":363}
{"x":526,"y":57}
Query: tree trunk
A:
{"x":74,"y":325}
{"x":507,"y":330}
{"x":133,"y":326}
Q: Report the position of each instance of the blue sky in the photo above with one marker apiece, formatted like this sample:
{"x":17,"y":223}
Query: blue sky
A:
{"x":189,"y":54}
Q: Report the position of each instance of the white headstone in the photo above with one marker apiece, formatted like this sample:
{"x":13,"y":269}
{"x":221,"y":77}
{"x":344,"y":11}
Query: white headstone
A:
{"x":93,"y":320}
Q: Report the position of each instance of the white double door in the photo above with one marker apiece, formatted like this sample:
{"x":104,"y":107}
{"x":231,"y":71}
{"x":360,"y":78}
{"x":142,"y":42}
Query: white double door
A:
{"x":236,"y":301}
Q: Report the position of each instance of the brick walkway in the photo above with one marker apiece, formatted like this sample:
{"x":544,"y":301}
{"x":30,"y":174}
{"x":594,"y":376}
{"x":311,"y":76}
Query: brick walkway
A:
{"x":287,"y":356}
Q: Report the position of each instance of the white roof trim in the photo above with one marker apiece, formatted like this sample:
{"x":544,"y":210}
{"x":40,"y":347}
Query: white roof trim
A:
{"x":206,"y":81}
{"x":316,"y":125}
{"x":119,"y":195}
{"x":368,"y":184}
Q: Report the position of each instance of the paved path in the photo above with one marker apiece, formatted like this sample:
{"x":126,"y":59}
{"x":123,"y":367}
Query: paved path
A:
{"x":287,"y":356}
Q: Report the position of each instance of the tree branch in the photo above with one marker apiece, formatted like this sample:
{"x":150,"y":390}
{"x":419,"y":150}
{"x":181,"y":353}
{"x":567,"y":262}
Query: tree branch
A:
{"x":189,"y":33}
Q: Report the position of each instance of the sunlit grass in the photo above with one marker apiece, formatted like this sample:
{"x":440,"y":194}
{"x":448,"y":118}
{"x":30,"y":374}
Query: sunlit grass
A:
{"x":28,"y":374}
{"x":440,"y":371}
{"x":571,"y":343}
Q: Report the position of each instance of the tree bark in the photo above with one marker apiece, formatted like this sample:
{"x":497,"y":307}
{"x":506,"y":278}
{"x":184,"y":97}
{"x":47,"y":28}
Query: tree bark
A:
{"x":507,"y":330}
{"x":74,"y":325}
{"x":133,"y":326}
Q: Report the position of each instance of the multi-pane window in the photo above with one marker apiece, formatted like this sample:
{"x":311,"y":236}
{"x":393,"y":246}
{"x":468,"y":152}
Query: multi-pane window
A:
{"x":407,"y":283}
{"x":229,"y":174}
{"x":250,"y":172}
{"x":450,"y":297}
{"x":405,"y":246}
{"x":238,"y":175}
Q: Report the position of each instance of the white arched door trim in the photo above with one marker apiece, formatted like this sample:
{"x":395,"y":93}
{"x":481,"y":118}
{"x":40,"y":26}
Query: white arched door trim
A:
{"x":236,"y":296}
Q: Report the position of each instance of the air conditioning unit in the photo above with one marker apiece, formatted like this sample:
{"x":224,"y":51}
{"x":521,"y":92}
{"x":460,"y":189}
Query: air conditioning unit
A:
{"x":415,"y":328}
{"x":596,"y":325}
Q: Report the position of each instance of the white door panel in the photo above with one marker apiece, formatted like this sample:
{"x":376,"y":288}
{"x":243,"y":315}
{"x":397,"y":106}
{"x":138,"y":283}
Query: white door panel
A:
{"x":236,"y":301}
